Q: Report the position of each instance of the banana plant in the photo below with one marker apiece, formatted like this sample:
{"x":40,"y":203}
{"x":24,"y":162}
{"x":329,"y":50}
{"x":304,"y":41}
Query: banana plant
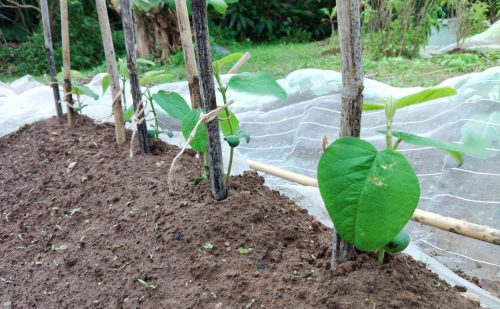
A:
{"x":258,"y":83}
{"x":371,"y":195}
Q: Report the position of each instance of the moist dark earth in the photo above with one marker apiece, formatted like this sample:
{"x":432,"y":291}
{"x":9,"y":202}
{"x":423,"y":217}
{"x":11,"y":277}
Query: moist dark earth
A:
{"x":83,"y":225}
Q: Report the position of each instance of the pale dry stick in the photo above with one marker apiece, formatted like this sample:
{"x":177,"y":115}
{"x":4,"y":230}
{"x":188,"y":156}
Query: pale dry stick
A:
{"x":68,"y":97}
{"x":244,"y":59}
{"x":204,"y":118}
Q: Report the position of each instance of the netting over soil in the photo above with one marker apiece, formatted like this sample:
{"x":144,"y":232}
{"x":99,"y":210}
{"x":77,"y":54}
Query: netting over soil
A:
{"x":288,"y":134}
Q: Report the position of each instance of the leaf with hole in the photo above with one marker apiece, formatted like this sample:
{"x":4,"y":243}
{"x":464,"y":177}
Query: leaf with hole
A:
{"x":258,"y":83}
{"x":172,"y":103}
{"x":369,"y":195}
{"x":199,"y":142}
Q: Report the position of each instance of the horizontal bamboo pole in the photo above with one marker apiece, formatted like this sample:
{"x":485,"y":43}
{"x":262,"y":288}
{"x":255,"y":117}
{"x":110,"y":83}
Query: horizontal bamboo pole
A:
{"x":461,"y":227}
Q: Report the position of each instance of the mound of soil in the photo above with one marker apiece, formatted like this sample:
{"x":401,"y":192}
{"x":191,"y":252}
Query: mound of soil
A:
{"x":85,"y":226}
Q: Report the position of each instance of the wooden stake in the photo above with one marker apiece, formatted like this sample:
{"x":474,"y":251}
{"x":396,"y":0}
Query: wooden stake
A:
{"x":461,"y":227}
{"x":109,"y":52}
{"x":68,"y":95}
{"x":208,"y":101}
{"x":128,"y":31}
{"x":44,"y":8}
{"x":188,"y":50}
{"x":352,"y":93}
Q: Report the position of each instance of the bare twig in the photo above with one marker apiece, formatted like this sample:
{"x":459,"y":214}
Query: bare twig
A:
{"x":15,"y":5}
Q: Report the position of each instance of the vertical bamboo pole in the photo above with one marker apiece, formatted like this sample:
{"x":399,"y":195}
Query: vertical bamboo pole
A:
{"x":44,"y":8}
{"x":188,"y":50}
{"x":128,"y":31}
{"x":208,"y":101}
{"x":68,"y":96}
{"x":109,"y":52}
{"x":352,"y":92}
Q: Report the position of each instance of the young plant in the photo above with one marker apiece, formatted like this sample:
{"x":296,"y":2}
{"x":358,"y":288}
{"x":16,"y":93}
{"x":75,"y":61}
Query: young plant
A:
{"x":78,"y":89}
{"x":258,"y":83}
{"x":149,"y":79}
{"x":371,"y":195}
{"x":331,"y":15}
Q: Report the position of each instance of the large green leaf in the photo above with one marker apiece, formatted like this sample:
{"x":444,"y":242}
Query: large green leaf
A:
{"x":455,"y":150}
{"x":172,"y":103}
{"x":260,"y":83}
{"x":199,"y":142}
{"x":369,"y":195}
{"x":416,"y":98}
{"x":228,"y":125}
{"x":84,"y":90}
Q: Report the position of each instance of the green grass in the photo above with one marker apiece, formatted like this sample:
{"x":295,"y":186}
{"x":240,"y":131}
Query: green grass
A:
{"x":280,"y":59}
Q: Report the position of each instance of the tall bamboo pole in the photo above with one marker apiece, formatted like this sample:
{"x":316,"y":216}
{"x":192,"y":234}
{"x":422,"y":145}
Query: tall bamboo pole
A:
{"x":188,"y":50}
{"x":135,"y":88}
{"x":49,"y":50}
{"x":68,"y":96}
{"x":352,"y":93}
{"x":109,"y":52}
{"x":208,"y":101}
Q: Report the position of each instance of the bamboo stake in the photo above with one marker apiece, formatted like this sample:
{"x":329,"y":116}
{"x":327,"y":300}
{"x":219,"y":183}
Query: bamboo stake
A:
{"x":68,"y":96}
{"x":128,"y":31}
{"x":352,"y":93}
{"x":49,"y":50}
{"x":188,"y":50}
{"x":109,"y":52}
{"x":208,"y":101}
{"x":461,"y":227}
{"x":237,"y":66}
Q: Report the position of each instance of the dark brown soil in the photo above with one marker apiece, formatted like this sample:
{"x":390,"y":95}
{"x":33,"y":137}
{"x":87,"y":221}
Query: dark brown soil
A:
{"x":83,"y":236}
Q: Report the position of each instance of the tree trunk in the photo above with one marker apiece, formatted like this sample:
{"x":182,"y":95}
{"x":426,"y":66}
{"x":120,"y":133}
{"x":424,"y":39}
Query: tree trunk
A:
{"x":109,"y":52}
{"x":143,"y":43}
{"x":50,"y":56}
{"x":68,"y":96}
{"x":352,"y":92}
{"x":188,"y":50}
{"x":214,"y":149}
{"x":128,"y":31}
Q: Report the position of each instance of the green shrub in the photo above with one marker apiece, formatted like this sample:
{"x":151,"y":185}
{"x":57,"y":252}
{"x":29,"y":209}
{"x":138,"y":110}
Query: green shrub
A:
{"x":256,"y":20}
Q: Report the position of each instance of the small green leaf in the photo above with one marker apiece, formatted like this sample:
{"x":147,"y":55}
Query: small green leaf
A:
{"x":84,"y":90}
{"x":208,"y":246}
{"x":74,"y":211}
{"x":234,"y":140}
{"x":399,"y":243}
{"x":123,"y":68}
{"x":372,"y":106}
{"x":228,"y":125}
{"x":172,"y":103}
{"x":425,"y":96}
{"x":369,"y":195}
{"x":219,"y":5}
{"x":155,"y":77}
{"x":199,"y":142}
{"x":105,"y":83}
{"x":152,"y":133}
{"x":128,"y":114}
{"x":227,"y":60}
{"x":259,"y":83}
{"x":244,"y":250}
{"x":454,"y":150}
{"x":148,"y":285}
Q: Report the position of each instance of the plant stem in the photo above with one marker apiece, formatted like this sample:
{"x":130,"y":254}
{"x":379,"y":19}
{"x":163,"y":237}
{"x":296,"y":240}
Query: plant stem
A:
{"x":223,"y":91}
{"x":123,"y":93}
{"x":150,"y":99}
{"x":381,"y":254}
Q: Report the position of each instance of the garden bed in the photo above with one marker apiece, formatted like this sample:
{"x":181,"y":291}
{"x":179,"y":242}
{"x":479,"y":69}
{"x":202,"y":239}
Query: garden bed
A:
{"x":83,"y":225}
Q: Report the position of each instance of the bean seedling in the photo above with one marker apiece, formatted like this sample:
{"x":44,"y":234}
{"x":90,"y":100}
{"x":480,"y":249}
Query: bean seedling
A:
{"x":371,"y":195}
